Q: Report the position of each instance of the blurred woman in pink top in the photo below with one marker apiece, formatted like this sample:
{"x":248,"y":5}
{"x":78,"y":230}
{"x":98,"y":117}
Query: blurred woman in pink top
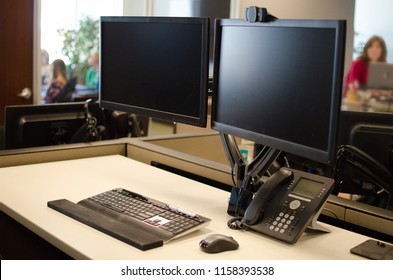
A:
{"x":374,"y":51}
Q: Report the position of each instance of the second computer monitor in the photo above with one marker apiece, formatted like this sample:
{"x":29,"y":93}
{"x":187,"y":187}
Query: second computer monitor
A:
{"x":372,"y":132}
{"x":156,"y":67}
{"x":279,"y":83}
{"x":27,"y":126}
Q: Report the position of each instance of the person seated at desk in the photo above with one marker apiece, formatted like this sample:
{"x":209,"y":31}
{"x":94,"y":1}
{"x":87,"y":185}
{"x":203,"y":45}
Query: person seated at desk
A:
{"x":373,"y":51}
{"x":92,"y":74}
{"x":58,"y":81}
{"x":45,"y":71}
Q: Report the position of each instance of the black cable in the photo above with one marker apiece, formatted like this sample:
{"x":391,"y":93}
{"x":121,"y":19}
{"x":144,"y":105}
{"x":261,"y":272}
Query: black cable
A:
{"x":236,"y":224}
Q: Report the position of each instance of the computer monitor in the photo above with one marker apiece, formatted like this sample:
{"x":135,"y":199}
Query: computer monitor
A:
{"x":372,"y":132}
{"x":279,"y":83}
{"x":156,"y":67}
{"x":28,"y":126}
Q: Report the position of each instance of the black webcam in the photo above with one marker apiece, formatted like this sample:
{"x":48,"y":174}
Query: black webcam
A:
{"x":257,"y":14}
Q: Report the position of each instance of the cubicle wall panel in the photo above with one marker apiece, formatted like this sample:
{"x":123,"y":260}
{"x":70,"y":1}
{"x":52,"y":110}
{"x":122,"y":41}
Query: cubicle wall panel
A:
{"x":334,"y":211}
{"x":58,"y":153}
{"x":368,"y":221}
{"x":221,"y":174}
{"x":207,"y":146}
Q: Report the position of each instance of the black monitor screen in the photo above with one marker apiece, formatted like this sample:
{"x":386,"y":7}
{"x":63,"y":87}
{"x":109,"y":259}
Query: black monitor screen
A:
{"x":279,"y":83}
{"x":155,"y":66}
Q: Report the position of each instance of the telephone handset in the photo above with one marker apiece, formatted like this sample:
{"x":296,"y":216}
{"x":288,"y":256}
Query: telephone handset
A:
{"x":287,"y":204}
{"x":254,"y":212}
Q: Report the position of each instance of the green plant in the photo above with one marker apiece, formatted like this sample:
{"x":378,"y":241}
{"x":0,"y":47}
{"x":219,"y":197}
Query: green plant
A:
{"x":358,"y":49}
{"x":78,"y":44}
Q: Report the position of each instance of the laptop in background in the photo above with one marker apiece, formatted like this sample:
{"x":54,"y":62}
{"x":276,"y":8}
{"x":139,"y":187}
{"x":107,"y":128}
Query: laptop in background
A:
{"x":380,"y":76}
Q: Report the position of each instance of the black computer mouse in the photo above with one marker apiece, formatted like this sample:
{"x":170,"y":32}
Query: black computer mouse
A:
{"x":216,"y":243}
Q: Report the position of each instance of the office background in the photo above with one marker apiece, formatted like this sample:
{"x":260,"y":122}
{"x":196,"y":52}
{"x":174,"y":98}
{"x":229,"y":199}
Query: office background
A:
{"x":368,"y":20}
{"x":302,"y":9}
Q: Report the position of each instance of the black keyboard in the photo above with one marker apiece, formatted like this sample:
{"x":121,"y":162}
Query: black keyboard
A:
{"x":140,"y":221}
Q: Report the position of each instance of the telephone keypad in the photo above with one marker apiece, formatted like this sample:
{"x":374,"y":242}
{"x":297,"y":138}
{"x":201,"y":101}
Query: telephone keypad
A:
{"x":285,"y":221}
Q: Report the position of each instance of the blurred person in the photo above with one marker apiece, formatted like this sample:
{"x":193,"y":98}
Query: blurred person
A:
{"x":373,"y":51}
{"x":45,"y":68}
{"x":92,"y":74}
{"x":58,"y":80}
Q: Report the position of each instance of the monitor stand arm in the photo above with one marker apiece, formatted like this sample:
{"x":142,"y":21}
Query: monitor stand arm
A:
{"x":235,"y":158}
{"x":247,"y":176}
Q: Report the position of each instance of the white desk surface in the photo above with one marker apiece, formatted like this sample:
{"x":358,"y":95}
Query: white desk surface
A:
{"x":25,"y":190}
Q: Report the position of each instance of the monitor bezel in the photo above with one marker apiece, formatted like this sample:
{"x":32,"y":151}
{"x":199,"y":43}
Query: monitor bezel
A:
{"x":201,"y":120}
{"x":324,"y":156}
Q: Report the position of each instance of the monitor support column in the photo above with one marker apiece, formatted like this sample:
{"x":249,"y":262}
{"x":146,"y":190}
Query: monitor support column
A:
{"x":247,"y":176}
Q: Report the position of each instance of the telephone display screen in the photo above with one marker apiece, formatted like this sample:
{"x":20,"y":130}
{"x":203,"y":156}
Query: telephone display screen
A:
{"x":307,"y":188}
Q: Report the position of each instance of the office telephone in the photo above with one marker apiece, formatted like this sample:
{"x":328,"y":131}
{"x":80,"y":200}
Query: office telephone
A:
{"x":286,"y":205}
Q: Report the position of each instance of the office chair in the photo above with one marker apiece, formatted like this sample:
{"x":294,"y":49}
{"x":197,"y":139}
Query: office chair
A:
{"x":65,"y":94}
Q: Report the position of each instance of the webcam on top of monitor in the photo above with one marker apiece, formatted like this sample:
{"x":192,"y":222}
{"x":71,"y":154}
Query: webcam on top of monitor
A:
{"x":257,"y":14}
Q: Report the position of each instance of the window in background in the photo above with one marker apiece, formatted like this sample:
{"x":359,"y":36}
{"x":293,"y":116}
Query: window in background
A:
{"x":59,"y":15}
{"x":373,"y":17}
{"x":65,"y":15}
{"x":181,"y":8}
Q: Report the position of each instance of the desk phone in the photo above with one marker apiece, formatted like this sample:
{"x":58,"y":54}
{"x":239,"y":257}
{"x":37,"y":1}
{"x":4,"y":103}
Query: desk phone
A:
{"x":287,"y":204}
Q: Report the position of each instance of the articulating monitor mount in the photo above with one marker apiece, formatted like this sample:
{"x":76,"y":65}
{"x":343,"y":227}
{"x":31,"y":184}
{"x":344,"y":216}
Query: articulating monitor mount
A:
{"x":247,"y":176}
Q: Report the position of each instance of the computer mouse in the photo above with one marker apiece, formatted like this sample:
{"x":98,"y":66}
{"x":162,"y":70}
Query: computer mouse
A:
{"x":216,"y":243}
